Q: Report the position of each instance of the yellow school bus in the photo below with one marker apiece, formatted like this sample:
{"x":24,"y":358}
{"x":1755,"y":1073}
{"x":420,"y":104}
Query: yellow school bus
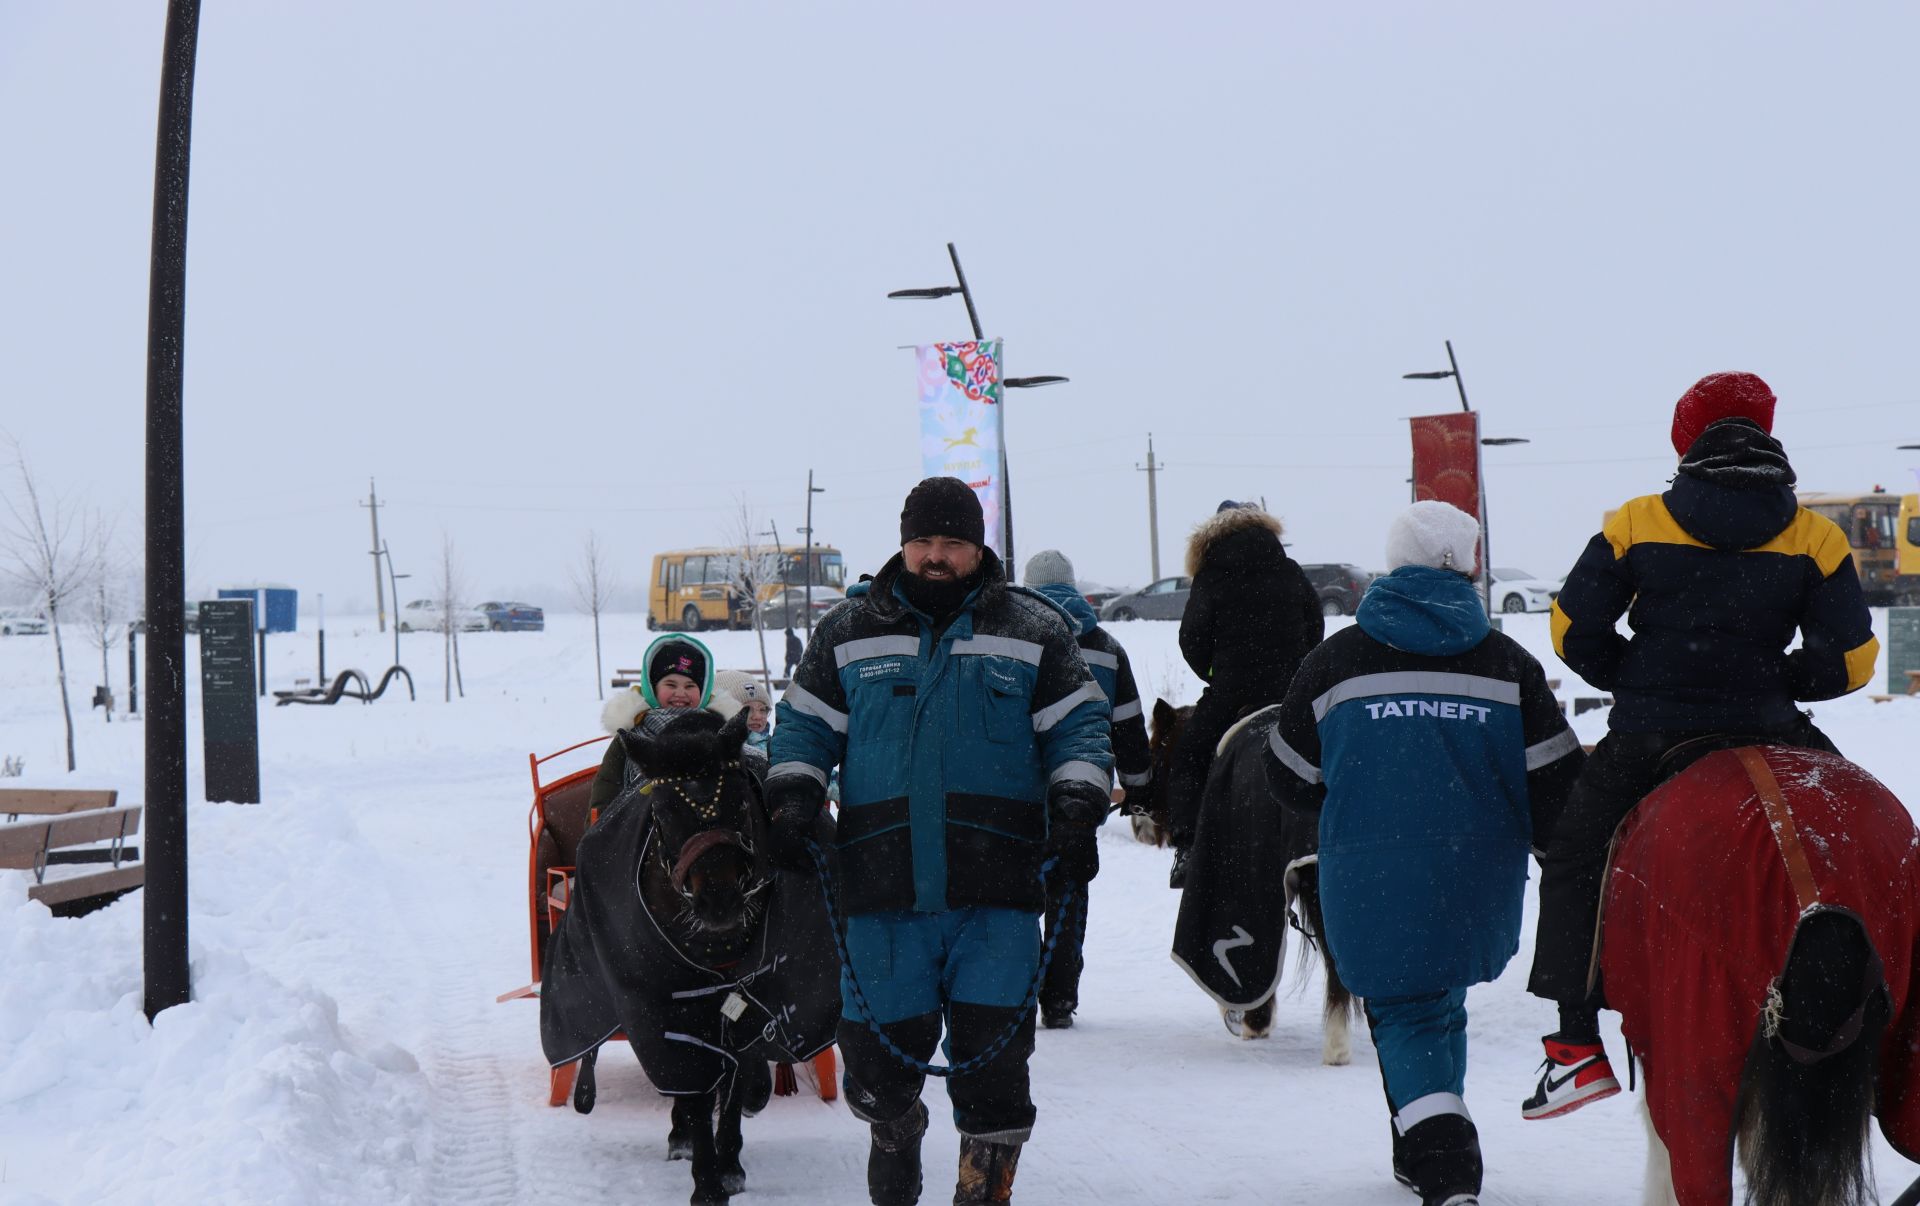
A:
{"x":692,"y":589}
{"x":1884,"y":530}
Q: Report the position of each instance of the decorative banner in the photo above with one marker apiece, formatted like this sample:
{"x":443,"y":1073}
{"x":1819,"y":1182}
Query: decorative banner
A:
{"x":1446,"y":459}
{"x":960,"y":422}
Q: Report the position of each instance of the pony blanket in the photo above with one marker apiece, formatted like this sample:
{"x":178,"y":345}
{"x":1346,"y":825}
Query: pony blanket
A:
{"x":1700,"y":911}
{"x":610,"y":968}
{"x":1232,"y":930}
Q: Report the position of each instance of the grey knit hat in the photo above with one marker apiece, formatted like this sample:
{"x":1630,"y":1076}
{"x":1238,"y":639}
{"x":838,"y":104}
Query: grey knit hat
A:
{"x":1047,"y":567}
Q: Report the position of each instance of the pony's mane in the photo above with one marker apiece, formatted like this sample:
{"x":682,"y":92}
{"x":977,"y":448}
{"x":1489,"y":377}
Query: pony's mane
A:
{"x":689,"y":745}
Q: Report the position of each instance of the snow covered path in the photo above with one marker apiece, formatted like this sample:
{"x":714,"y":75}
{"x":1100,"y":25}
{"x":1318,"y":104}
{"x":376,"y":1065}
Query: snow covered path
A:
{"x":350,"y":934}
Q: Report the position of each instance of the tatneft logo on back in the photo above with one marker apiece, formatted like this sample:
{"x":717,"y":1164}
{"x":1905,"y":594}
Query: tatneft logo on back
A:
{"x":1445,"y":709}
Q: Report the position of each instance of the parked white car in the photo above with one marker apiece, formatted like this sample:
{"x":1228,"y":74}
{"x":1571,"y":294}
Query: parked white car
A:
{"x":21,"y":623}
{"x":424,"y":615}
{"x":1515,"y":590}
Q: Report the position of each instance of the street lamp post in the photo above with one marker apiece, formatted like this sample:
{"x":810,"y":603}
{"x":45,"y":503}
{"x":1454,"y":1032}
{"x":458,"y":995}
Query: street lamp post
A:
{"x":973,"y":318}
{"x":1479,"y":466}
{"x":395,"y":581}
{"x":807,"y":607}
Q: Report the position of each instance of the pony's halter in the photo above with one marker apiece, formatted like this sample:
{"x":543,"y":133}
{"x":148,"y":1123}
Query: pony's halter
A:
{"x":707,"y":810}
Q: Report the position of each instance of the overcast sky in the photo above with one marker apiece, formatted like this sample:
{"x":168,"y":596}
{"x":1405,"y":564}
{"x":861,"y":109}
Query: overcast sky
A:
{"x":545,"y":269}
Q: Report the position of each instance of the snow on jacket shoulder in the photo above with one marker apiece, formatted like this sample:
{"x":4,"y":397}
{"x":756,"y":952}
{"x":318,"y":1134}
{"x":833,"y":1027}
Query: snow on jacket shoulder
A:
{"x":1251,"y":613}
{"x":1714,"y":576}
{"x":1436,"y":754}
{"x":952,"y":747}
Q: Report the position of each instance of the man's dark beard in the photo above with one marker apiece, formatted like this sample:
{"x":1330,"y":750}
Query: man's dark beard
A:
{"x":938,"y":597}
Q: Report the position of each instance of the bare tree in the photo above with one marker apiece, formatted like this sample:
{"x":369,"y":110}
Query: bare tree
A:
{"x":50,"y":550}
{"x":104,"y":612}
{"x":592,"y":588}
{"x":756,"y":568}
{"x":451,"y":591}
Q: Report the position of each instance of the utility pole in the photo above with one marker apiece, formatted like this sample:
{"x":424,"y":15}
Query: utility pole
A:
{"x":379,"y":600}
{"x":807,"y":614}
{"x":1151,"y":468}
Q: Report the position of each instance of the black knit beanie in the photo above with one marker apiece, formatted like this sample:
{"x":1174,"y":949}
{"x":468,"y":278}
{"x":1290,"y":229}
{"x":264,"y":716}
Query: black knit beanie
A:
{"x":677,"y":657}
{"x":943,"y":506}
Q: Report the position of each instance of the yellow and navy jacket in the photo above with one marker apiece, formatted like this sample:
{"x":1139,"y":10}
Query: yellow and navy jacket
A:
{"x":955,"y":745}
{"x":1714,"y":577}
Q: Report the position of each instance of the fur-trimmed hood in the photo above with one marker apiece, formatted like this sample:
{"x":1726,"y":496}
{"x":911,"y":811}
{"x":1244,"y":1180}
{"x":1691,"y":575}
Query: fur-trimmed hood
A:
{"x":625,"y":708}
{"x":1217,"y":527}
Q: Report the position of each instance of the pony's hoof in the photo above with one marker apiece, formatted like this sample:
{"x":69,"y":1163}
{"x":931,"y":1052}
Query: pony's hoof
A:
{"x":734,"y":1180}
{"x":679,"y":1147}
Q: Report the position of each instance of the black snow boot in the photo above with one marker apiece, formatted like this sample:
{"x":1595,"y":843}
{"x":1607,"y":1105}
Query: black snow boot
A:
{"x":986,"y":1172}
{"x":1441,"y":1160}
{"x":893,"y":1162}
{"x":1056,"y":1017}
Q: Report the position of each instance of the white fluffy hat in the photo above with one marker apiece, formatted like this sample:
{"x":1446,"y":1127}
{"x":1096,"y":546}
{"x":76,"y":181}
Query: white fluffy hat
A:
{"x":1435,"y":534}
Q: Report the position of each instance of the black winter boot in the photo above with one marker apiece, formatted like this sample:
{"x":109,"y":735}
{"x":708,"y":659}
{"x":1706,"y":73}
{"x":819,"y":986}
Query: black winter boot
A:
{"x":893,"y":1162}
{"x":986,"y":1172}
{"x":1441,"y":1159}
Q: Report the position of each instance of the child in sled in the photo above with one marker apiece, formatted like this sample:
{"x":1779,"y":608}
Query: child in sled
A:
{"x":679,"y":679}
{"x":1714,"y":576}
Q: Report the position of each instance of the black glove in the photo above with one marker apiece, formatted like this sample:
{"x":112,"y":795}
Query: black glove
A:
{"x":1077,"y":845}
{"x":791,"y":829}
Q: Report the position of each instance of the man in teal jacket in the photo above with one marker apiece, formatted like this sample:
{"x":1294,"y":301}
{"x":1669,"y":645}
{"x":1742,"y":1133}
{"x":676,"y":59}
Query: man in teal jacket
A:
{"x":1436,"y":756}
{"x":971,"y":742}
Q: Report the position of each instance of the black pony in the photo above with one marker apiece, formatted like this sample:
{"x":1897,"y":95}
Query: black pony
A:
{"x":1254,"y":870}
{"x":681,"y":934}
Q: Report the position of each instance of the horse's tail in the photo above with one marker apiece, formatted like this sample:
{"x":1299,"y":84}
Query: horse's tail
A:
{"x":1307,"y":897}
{"x":1806,"y":1094}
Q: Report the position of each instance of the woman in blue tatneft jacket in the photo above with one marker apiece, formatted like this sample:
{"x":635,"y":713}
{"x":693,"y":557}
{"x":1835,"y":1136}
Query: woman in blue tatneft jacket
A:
{"x":1436,"y":756}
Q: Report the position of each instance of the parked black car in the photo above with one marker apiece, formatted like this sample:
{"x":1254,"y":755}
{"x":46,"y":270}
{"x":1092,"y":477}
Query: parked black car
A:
{"x":513,"y":617}
{"x":1339,"y":586}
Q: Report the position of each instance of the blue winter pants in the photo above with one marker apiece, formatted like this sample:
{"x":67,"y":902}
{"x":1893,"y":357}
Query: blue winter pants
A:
{"x":964,"y":971}
{"x":1422,"y":1043}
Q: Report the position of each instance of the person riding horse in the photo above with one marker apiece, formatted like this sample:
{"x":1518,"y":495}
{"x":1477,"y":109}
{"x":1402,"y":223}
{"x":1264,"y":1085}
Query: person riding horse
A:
{"x":1714,"y":576}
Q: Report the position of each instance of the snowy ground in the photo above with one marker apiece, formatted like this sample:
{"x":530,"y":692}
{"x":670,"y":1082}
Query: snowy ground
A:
{"x":350,"y":934}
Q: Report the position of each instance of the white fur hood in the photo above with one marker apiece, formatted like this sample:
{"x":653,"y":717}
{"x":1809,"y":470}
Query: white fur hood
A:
{"x":625,"y":707}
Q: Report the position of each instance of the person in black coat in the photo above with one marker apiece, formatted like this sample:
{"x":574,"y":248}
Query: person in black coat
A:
{"x":1251,"y":616}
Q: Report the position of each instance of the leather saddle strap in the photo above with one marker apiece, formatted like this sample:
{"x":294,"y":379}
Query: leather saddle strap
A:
{"x":1780,"y":820}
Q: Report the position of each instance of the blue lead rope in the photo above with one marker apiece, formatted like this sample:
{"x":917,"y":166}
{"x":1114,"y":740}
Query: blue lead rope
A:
{"x":993,"y":1049}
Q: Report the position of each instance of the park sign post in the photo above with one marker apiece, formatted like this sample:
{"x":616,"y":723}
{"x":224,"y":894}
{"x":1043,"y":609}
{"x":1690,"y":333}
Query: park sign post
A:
{"x":960,"y":432}
{"x":229,"y":710}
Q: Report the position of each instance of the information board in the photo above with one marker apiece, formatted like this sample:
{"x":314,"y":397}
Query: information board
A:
{"x":228,"y":706}
{"x":1903,"y":647}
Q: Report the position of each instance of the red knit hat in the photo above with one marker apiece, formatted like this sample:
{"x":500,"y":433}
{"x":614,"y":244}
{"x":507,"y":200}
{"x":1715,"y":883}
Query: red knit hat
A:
{"x":1720,"y":396}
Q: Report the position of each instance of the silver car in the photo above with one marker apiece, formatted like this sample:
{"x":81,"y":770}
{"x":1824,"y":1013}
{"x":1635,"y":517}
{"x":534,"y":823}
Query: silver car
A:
{"x":1162,"y":600}
{"x":21,"y":623}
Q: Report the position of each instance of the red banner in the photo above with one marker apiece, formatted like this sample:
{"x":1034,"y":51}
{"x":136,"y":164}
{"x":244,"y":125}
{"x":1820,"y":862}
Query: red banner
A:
{"x":1446,"y":459}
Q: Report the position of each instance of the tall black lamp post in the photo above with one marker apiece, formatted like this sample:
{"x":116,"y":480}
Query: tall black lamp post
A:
{"x":973,"y":317}
{"x":167,"y":979}
{"x":1479,"y":465}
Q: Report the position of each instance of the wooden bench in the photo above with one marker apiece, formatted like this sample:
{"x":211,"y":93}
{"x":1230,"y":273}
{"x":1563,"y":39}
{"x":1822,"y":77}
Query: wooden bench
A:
{"x":52,"y":827}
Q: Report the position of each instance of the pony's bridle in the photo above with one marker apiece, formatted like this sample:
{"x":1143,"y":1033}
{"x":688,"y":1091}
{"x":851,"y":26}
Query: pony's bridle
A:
{"x":707,"y":809}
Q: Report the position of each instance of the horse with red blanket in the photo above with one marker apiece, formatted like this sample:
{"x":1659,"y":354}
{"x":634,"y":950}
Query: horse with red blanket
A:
{"x":1762,"y":944}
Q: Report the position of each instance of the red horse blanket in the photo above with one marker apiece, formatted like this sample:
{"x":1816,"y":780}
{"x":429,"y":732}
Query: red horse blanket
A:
{"x":1702,"y":900}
